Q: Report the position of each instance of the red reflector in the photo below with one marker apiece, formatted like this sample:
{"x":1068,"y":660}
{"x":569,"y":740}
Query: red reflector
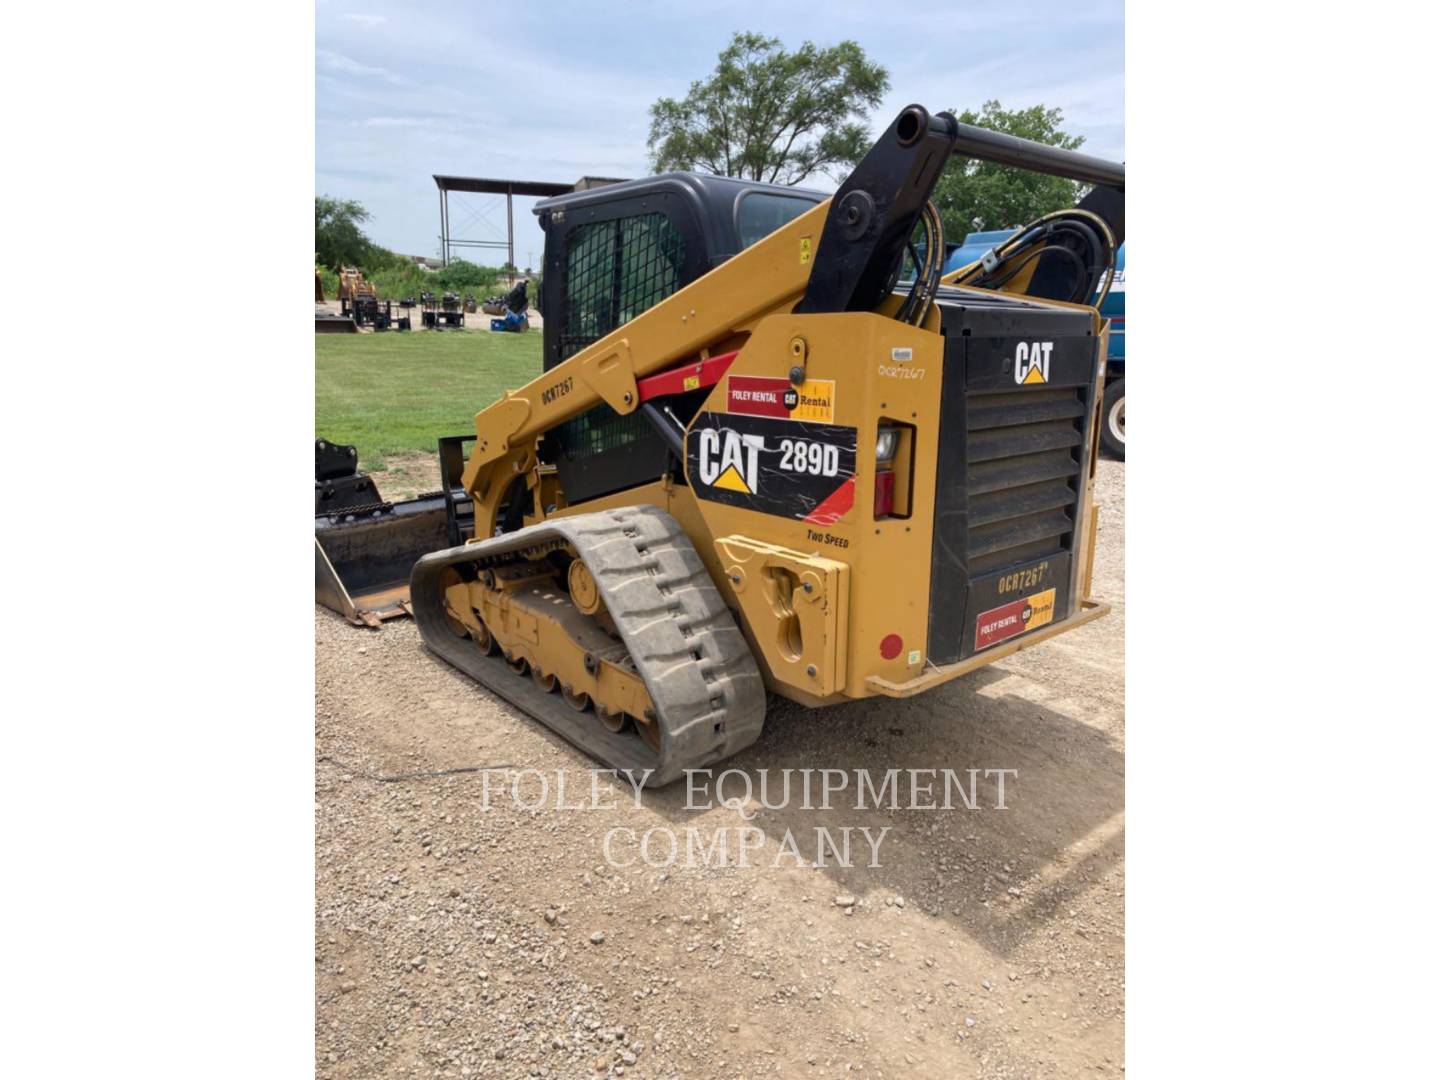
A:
{"x":884,"y":494}
{"x":890,"y":646}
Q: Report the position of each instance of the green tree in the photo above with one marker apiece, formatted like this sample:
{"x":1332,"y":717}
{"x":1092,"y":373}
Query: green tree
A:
{"x":462,"y":274}
{"x":772,"y":115}
{"x":338,"y":238}
{"x":999,"y":196}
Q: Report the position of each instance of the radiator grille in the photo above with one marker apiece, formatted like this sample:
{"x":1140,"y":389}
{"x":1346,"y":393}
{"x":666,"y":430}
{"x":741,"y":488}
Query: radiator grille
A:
{"x":1023,"y":461}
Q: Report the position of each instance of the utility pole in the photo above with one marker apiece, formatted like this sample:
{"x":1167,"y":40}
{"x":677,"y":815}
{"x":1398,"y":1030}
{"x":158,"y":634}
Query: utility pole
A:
{"x":510,"y":223}
{"x":444,"y":227}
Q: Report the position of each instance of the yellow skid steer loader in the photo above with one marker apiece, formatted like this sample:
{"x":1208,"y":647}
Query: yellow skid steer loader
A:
{"x":774,"y":449}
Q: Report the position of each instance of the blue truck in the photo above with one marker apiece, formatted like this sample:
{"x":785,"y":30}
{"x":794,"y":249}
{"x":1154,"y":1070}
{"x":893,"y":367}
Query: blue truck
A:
{"x":1112,"y":426}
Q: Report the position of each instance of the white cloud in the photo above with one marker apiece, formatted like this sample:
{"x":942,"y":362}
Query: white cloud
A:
{"x":369,"y":21}
{"x":326,"y":60}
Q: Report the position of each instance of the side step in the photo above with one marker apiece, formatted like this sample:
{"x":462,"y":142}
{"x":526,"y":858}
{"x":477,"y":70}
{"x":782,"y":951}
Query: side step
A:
{"x":706,"y":688}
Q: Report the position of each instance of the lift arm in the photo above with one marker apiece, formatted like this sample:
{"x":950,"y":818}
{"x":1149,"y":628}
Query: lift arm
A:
{"x":855,"y":251}
{"x":763,"y":278}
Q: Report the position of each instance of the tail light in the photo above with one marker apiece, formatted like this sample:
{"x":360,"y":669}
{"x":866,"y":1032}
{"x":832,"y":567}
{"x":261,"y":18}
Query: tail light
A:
{"x":884,"y":493}
{"x":887,"y":445}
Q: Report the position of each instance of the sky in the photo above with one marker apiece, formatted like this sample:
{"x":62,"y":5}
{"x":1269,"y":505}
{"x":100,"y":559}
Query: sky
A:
{"x":558,"y":90}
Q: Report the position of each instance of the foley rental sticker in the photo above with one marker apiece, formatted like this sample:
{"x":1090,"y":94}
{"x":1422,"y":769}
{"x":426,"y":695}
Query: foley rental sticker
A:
{"x":757,"y":395}
{"x":1007,"y":620}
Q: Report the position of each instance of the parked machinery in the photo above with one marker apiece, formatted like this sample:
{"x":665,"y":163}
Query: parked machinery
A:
{"x":513,"y":316}
{"x":353,"y":285}
{"x":441,"y":313}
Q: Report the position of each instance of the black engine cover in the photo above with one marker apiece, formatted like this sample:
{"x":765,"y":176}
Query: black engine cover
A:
{"x":1017,"y":397}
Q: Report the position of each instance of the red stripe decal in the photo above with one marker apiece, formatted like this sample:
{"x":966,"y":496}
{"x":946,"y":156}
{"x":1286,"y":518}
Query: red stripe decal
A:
{"x":687,"y":377}
{"x":836,"y":505}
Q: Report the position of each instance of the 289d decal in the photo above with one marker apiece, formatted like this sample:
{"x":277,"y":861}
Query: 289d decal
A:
{"x":790,"y":468}
{"x":816,"y":458}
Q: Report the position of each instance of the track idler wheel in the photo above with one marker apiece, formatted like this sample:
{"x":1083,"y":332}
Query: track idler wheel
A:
{"x":578,"y":700}
{"x":584,"y":593}
{"x":484,"y":640}
{"x":450,"y":577}
{"x":518,"y":664}
{"x":548,"y":683}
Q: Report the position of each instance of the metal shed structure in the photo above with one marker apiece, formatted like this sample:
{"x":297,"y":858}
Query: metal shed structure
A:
{"x":509,"y":188}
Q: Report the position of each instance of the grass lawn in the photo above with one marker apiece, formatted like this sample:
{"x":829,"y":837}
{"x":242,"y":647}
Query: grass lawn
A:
{"x":395,"y":393}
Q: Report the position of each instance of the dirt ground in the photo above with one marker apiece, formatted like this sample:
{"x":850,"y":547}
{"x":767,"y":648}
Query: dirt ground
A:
{"x":458,"y":941}
{"x":408,"y":475}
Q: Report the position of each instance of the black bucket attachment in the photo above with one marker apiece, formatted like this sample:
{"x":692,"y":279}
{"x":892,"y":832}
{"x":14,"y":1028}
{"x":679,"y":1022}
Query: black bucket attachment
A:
{"x":326,"y":323}
{"x":365,"y":546}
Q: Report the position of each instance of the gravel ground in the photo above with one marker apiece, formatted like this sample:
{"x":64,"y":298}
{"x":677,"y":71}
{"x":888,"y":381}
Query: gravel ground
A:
{"x":454,"y":940}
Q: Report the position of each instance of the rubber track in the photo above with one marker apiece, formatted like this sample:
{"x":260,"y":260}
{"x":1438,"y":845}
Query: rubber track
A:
{"x":707,"y":691}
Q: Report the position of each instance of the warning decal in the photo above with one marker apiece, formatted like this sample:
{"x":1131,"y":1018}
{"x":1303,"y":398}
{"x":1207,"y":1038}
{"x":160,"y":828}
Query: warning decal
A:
{"x":758,"y":395}
{"x":797,"y":470}
{"x":1016,"y":617}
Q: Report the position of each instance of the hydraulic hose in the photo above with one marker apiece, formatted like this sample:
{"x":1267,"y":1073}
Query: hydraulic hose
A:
{"x":927,"y":276}
{"x":1053,"y":232}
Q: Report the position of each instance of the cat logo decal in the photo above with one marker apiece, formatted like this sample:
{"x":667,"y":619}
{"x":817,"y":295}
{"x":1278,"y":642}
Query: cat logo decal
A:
{"x":1032,"y":362}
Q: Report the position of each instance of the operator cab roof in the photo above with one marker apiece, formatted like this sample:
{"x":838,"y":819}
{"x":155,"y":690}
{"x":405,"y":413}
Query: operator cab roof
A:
{"x":731,"y":213}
